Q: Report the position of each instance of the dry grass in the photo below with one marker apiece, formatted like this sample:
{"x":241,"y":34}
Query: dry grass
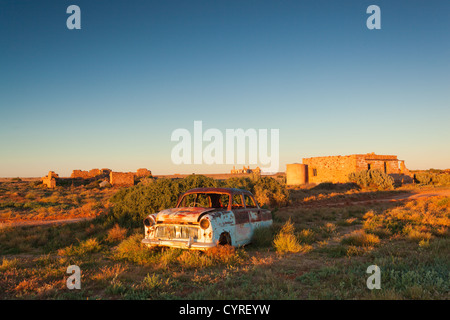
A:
{"x":361,"y":239}
{"x":116,"y":234}
{"x":8,"y":264}
{"x":417,"y":220}
{"x":24,"y":201}
{"x":287,"y":242}
{"x":83,"y":248}
{"x":109,"y":272}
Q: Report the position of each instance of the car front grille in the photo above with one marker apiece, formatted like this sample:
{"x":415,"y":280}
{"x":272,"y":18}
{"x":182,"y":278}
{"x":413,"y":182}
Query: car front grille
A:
{"x":177,"y":232}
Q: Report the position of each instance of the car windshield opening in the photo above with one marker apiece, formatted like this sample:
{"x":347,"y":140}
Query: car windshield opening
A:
{"x":205,"y":200}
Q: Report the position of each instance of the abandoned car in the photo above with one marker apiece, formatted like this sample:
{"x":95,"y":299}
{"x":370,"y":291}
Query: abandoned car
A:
{"x":207,"y":217}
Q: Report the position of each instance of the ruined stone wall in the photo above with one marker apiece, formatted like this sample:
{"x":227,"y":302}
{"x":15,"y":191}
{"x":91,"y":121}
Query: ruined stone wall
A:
{"x":88,"y":174}
{"x":122,"y":179}
{"x":95,"y":172}
{"x":337,"y":168}
{"x":50,"y":180}
{"x":143,"y":172}
{"x":385,"y":163}
{"x":80,"y":174}
{"x":403,"y":169}
{"x":330,"y":169}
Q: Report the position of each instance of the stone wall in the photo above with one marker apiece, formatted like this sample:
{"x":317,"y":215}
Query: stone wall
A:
{"x":337,"y":168}
{"x":330,"y":169}
{"x":143,"y":172}
{"x":121,"y":179}
{"x":386,"y":163}
{"x":88,"y":174}
{"x":80,"y":174}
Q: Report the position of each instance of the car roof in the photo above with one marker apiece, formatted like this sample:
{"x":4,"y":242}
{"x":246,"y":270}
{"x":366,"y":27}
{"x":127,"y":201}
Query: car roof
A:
{"x":219,"y":190}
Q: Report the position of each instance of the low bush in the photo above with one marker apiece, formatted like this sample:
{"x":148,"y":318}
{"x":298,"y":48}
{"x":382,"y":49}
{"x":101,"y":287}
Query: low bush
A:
{"x":372,"y":178}
{"x":432,"y":178}
{"x":116,"y":233}
{"x":286,"y":241}
{"x":83,"y":248}
{"x":361,"y":239}
{"x":269,"y":191}
{"x":132,"y":205}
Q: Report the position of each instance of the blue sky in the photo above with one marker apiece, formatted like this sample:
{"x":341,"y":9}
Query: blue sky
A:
{"x":110,"y":95}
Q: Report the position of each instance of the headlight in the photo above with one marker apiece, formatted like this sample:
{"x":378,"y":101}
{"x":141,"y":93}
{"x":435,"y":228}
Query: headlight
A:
{"x":204,"y":224}
{"x":148,"y":222}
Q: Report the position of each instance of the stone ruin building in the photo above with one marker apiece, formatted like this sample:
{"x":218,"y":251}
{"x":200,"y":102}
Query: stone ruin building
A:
{"x":245,"y":170}
{"x":122,"y":179}
{"x":89,"y":174}
{"x":336,"y":169}
{"x":50,"y":180}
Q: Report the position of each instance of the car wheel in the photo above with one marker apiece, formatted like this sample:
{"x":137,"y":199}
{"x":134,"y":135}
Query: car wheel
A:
{"x":225,"y":239}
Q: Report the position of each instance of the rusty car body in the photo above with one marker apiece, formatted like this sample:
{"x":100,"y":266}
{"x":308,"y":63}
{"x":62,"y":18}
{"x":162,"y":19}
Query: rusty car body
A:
{"x":207,"y":217}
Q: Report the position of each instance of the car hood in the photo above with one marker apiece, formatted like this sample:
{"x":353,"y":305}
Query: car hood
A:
{"x":181,"y":215}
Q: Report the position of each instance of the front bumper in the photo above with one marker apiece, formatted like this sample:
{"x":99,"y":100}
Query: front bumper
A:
{"x":177,"y":243}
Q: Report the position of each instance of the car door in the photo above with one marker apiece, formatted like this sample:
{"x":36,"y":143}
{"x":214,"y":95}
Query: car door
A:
{"x":258,"y":216}
{"x":242,"y":220}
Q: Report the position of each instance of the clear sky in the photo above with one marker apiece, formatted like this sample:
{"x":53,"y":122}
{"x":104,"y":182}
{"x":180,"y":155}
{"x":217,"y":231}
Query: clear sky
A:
{"x":110,"y":95}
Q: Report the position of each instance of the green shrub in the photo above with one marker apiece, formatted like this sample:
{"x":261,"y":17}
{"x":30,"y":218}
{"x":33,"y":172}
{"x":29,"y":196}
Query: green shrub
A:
{"x":269,"y":191}
{"x":432,"y":177}
{"x":239,"y":183}
{"x":132,"y":205}
{"x":372,"y":178}
{"x":444,"y":179}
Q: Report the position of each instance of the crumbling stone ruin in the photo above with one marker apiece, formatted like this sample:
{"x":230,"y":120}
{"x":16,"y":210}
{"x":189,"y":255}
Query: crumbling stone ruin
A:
{"x":88,"y":174}
{"x":50,"y":180}
{"x":143,"y":172}
{"x":122,"y":179}
{"x":110,"y":178}
{"x":245,"y":170}
{"x":127,"y":179}
{"x":336,"y":169}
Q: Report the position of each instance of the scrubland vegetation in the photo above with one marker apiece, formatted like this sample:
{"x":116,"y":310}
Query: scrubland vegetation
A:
{"x":433,"y":177}
{"x":319,"y":246}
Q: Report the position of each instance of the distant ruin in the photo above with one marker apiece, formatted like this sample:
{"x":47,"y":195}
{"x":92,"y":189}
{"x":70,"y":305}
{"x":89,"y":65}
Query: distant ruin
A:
{"x":122,"y":179}
{"x":89,"y":174}
{"x":81,"y":177}
{"x":143,"y":173}
{"x":336,"y":169}
{"x":50,"y":180}
{"x":245,"y":170}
